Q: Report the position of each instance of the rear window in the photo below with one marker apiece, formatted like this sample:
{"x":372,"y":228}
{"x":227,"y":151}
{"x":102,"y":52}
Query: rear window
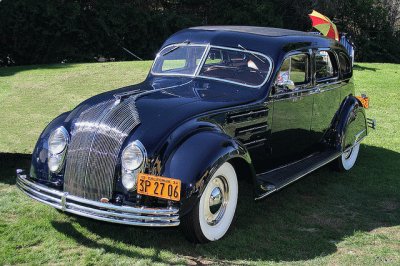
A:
{"x":294,"y":68}
{"x":345,"y":65}
{"x":237,"y":66}
{"x":325,"y":65}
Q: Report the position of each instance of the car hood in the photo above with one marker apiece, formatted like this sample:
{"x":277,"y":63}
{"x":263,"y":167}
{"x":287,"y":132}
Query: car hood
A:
{"x":164,"y":103}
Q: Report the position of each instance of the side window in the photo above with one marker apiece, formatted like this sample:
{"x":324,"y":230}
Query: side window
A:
{"x":345,"y":65}
{"x":325,"y":65}
{"x":293,"y":72}
{"x":214,"y":57}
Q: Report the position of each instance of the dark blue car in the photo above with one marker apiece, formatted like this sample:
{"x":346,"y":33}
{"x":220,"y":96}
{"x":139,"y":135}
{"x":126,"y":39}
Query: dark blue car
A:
{"x":220,"y":105}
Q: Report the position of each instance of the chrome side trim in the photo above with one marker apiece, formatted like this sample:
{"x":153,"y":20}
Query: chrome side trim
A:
{"x":140,"y":216}
{"x":250,"y":113}
{"x":240,"y":132}
{"x":254,"y":142}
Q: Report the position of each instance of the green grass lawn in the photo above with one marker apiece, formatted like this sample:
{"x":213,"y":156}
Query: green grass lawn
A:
{"x":325,"y":218}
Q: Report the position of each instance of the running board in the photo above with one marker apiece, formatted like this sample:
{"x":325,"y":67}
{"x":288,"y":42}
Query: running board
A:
{"x":279,"y":178}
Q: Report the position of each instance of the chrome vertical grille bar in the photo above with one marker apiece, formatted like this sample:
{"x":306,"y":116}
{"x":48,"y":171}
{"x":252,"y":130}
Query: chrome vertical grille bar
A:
{"x":96,"y":141}
{"x":107,"y":143}
{"x":82,"y":135}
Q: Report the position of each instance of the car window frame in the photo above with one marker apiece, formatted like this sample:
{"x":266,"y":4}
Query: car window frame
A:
{"x":264,"y":56}
{"x":345,"y":75}
{"x":310,"y":77}
{"x":337,"y":72}
{"x":204,"y":58}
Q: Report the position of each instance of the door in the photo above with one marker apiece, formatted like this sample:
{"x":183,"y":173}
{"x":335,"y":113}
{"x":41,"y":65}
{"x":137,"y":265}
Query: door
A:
{"x":326,"y":93}
{"x":292,"y":109}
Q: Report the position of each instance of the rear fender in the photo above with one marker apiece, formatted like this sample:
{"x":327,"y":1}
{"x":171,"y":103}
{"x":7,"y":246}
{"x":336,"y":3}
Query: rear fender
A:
{"x":350,"y":124}
{"x":196,"y":159}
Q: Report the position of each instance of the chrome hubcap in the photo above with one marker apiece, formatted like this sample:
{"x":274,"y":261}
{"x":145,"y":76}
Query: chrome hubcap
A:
{"x":215,"y":208}
{"x":216,"y":199}
{"x":347,"y":154}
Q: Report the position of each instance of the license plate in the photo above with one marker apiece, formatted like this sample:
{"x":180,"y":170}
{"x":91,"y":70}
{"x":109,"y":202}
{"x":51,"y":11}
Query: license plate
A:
{"x":158,"y":186}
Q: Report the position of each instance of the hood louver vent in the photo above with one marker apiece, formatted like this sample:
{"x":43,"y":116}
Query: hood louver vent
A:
{"x":248,"y":115}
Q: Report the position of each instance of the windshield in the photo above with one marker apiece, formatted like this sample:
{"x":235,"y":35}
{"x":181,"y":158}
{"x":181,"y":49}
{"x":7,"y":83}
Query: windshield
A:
{"x":179,"y":60}
{"x":238,"y":66}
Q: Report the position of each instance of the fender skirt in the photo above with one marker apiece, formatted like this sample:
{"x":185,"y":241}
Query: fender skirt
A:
{"x":350,"y":124}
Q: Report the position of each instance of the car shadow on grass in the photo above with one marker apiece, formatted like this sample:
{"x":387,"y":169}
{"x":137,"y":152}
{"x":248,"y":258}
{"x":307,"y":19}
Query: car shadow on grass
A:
{"x":362,"y":68}
{"x":303,"y":221}
{"x":9,"y":163}
{"x":10,"y":71}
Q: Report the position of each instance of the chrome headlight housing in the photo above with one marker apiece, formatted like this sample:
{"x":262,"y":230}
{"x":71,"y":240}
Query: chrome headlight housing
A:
{"x":58,"y":141}
{"x":133,"y":156}
{"x":132,"y":160}
{"x":57,"y":145}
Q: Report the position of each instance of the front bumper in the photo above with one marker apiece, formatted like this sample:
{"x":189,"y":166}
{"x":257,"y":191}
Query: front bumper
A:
{"x":141,"y":216}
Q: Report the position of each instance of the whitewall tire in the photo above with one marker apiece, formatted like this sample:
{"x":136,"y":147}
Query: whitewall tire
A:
{"x":212,"y":216}
{"x":348,"y":158}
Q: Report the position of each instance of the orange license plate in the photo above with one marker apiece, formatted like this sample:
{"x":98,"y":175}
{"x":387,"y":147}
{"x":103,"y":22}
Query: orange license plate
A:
{"x":158,"y":186}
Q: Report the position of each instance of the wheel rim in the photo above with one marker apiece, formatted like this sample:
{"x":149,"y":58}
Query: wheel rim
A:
{"x":349,"y":157}
{"x":218,"y":202}
{"x":347,"y":154}
{"x":214,"y":208}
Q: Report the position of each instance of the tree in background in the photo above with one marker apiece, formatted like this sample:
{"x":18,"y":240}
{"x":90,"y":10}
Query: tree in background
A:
{"x":52,"y":31}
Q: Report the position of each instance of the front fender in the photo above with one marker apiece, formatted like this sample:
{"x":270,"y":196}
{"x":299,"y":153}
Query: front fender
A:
{"x":197,"y":158}
{"x":39,"y":168}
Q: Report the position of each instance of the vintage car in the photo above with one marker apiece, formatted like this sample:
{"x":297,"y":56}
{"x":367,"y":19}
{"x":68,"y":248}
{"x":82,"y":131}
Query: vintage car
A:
{"x":220,"y":104}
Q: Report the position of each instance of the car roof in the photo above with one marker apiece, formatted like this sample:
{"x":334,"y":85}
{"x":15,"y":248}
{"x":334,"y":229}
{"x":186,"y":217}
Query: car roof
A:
{"x":265,"y":31}
{"x":273,"y":42}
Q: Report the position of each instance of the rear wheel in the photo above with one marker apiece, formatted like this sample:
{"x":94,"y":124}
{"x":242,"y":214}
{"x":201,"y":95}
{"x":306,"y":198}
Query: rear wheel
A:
{"x":213,"y":214}
{"x":348,"y":158}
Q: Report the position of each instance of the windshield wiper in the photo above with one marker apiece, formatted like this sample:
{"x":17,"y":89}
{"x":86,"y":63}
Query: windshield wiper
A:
{"x":256,"y":56}
{"x":176,"y":47}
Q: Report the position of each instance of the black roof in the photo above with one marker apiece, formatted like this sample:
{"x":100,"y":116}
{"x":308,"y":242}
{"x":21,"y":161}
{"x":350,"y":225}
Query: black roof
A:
{"x":265,"y":31}
{"x":272,"y":41}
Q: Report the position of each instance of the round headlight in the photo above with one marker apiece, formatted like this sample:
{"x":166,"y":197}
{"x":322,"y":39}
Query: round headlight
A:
{"x":58,"y":140}
{"x":129,"y":180}
{"x":132,"y":157}
{"x":54,"y":163}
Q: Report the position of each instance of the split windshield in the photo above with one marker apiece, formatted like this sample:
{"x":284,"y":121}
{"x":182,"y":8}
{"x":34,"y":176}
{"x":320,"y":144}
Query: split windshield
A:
{"x":238,"y":66}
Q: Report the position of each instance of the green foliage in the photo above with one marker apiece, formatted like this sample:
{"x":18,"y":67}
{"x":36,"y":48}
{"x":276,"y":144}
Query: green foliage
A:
{"x":54,"y":31}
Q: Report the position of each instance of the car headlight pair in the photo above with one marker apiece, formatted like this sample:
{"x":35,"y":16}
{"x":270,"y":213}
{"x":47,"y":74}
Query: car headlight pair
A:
{"x":57,"y":145}
{"x":132,"y":159}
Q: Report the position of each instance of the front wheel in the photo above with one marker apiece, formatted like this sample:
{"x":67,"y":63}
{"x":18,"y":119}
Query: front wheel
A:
{"x":212,"y":216}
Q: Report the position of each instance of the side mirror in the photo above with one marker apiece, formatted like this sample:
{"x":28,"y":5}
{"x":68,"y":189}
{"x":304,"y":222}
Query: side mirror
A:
{"x":286,"y":84}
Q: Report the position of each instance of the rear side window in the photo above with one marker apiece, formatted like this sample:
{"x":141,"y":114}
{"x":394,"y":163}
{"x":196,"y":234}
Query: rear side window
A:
{"x":345,"y":65}
{"x":325,"y":65}
{"x":294,"y":68}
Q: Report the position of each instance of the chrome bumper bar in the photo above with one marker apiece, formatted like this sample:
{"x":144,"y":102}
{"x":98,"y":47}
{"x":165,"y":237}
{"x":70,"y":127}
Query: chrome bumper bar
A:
{"x":153,"y":217}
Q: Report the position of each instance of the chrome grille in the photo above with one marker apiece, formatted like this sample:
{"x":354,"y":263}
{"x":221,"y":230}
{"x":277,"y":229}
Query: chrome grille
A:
{"x":96,"y":140}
